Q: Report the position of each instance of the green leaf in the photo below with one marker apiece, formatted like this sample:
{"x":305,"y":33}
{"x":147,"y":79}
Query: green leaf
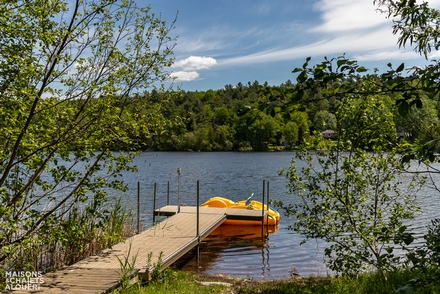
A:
{"x":400,"y":68}
{"x":361,"y":69}
{"x":340,"y":62}
{"x":403,"y":108}
{"x":408,"y":239}
{"x":302,"y":77}
{"x":306,"y":63}
{"x":406,"y":158}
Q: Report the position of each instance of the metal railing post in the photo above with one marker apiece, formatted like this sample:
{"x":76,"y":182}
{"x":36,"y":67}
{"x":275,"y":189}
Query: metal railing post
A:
{"x":198,"y":209}
{"x":262,"y":212}
{"x":168,"y":193}
{"x":267,"y":203}
{"x":178,"y":190}
{"x":138,"y":208}
{"x":154,"y":204}
{"x":198,"y":220}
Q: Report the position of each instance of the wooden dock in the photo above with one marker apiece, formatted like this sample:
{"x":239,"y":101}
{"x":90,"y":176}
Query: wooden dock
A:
{"x":169,"y":239}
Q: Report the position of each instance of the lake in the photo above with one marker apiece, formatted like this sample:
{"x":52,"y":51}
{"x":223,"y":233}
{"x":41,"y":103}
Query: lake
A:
{"x":236,"y":175}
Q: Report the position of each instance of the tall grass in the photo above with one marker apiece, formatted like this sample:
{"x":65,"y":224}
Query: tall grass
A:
{"x":79,"y":233}
{"x":402,"y":281}
{"x":172,"y":281}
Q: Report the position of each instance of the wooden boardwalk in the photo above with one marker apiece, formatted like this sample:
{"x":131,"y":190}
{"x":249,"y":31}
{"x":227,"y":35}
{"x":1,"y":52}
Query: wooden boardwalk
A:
{"x":170,"y":239}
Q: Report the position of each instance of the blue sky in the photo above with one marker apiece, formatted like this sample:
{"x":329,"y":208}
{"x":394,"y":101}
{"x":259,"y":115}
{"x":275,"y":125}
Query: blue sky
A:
{"x":224,"y":42}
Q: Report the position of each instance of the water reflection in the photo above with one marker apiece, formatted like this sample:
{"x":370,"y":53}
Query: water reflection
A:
{"x":230,"y":245}
{"x":242,"y":252}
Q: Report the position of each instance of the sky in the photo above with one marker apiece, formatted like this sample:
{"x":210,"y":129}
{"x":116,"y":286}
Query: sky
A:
{"x":224,"y":42}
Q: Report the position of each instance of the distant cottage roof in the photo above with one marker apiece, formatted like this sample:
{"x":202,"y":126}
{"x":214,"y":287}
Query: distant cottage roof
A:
{"x":328,"y":134}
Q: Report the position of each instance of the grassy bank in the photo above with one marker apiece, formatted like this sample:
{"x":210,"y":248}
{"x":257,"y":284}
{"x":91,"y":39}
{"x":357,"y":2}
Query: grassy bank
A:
{"x":404,"y":281}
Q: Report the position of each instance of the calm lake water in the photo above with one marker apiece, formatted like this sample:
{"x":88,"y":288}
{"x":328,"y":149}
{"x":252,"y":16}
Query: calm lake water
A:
{"x":236,"y":175}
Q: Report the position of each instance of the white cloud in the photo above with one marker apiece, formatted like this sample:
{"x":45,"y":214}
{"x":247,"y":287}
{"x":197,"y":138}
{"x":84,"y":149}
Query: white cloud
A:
{"x":351,"y":27}
{"x":434,"y":3}
{"x":347,"y":15}
{"x":217,"y":38}
{"x":434,"y":55}
{"x":373,"y":43}
{"x":387,"y":56}
{"x":188,"y":44}
{"x":195,"y":63}
{"x":184,"y":76}
{"x":189,"y":66}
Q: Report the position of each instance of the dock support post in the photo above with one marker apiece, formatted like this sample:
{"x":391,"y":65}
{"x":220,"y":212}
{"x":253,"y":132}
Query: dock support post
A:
{"x":198,"y":221}
{"x":178,"y":190}
{"x":138,"y":226}
{"x":262,"y":212}
{"x":154,"y":204}
{"x":267,"y":203}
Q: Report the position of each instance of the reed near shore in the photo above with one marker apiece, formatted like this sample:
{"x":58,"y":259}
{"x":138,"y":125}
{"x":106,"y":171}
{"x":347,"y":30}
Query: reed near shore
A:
{"x":82,"y":232}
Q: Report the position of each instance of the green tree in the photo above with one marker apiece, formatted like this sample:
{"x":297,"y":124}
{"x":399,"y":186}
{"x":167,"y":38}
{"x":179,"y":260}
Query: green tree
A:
{"x":224,"y":137}
{"x":353,"y":199}
{"x":66,"y":70}
{"x":366,"y":122}
{"x":301,"y":119}
{"x":357,"y":203}
{"x":417,"y":25}
{"x":204,"y":138}
{"x":324,"y":120}
{"x":224,"y":116}
{"x":263,"y":131}
{"x":290,"y":133}
{"x":420,"y":123}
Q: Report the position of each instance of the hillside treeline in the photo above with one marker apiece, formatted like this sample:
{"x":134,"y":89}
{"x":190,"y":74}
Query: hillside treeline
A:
{"x":258,"y":117}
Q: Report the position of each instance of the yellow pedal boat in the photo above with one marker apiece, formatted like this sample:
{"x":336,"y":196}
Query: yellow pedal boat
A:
{"x":273,"y":218}
{"x":241,"y":232}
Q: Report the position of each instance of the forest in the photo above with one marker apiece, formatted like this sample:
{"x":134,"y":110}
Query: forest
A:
{"x":262,"y":117}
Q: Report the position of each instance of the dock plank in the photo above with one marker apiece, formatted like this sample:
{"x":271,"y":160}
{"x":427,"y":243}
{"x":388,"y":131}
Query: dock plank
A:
{"x":169,"y":239}
{"x":71,"y":280}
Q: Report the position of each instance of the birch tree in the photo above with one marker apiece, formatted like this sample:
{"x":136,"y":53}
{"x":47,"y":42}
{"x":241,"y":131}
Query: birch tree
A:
{"x":66,"y":70}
